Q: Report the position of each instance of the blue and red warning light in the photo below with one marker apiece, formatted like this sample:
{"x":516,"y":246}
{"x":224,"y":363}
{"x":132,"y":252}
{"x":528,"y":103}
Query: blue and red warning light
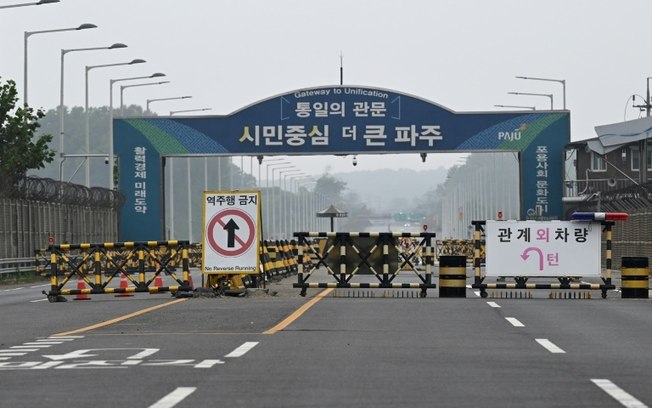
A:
{"x":599,"y":216}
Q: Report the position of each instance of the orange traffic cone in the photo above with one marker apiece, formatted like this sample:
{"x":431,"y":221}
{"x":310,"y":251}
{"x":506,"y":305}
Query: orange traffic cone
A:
{"x":158,"y":282}
{"x":81,"y":285}
{"x":124,"y":284}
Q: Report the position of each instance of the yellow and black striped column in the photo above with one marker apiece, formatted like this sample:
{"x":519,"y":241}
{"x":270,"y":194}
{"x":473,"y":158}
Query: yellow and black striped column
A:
{"x":452,"y":276}
{"x":635,"y":277}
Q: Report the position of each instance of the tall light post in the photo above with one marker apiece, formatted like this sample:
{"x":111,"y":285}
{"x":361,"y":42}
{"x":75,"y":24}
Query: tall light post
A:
{"x":123,"y":87}
{"x":28,"y":34}
{"x":173,"y":98}
{"x":535,"y":94}
{"x":561,"y":81}
{"x":302,"y":207}
{"x":38,"y":3}
{"x":61,"y":104}
{"x":87,"y":170}
{"x":266,"y":197}
{"x":516,"y":107}
{"x":111,"y":82}
{"x":172,"y":113}
{"x":274,"y":198}
{"x":287,"y":208}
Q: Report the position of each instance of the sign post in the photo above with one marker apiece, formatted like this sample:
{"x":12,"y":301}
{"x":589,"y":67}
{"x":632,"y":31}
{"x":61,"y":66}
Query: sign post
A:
{"x":231,"y":238}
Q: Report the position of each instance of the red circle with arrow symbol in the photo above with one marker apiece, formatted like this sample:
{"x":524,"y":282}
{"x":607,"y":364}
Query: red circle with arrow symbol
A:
{"x":231,"y":243}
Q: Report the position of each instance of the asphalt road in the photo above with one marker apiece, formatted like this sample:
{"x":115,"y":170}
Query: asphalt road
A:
{"x":342,"y":351}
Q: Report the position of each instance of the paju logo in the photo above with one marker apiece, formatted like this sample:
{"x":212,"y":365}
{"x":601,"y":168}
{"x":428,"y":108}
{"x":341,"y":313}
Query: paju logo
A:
{"x":513,"y":135}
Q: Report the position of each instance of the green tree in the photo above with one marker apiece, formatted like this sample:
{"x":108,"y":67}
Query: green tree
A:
{"x":331,"y":188}
{"x":19,"y":149}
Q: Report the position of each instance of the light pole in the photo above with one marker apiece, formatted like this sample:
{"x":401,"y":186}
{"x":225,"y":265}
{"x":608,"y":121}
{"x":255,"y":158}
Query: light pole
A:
{"x":61,"y":104}
{"x":38,"y":3}
{"x":535,"y":94}
{"x":516,"y":107}
{"x":561,"y":81}
{"x":287,"y":208}
{"x":172,"y":113}
{"x":274,"y":197}
{"x":123,"y":87}
{"x":111,"y":82}
{"x":165,"y":99}
{"x":267,"y":196}
{"x":29,"y":34}
{"x":88,"y":126}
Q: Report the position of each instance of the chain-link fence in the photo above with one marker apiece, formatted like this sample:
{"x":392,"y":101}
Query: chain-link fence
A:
{"x":36,"y":212}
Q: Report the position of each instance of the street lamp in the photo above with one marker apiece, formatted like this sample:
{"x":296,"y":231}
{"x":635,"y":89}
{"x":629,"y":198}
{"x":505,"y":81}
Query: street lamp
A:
{"x":274,"y":198}
{"x":61,"y":105}
{"x":166,"y":99}
{"x":29,"y":34}
{"x":111,"y":82}
{"x":189,"y":110}
{"x":38,"y":3}
{"x":561,"y":81}
{"x":286,"y":207}
{"x":88,"y":127}
{"x":123,"y":87}
{"x":535,"y":94}
{"x":517,"y":107}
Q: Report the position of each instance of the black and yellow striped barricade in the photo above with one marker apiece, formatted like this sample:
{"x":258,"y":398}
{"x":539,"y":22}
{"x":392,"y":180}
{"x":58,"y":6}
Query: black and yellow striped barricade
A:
{"x":452,"y":276}
{"x":367,"y":256}
{"x":635,"y":277}
{"x":99,"y":265}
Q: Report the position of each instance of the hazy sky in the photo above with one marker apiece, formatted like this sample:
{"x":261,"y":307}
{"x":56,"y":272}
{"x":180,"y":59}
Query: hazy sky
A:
{"x":462,"y":54}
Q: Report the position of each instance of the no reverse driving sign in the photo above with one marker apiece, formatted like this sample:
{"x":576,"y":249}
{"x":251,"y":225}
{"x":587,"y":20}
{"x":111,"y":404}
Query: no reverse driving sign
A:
{"x":231,"y":232}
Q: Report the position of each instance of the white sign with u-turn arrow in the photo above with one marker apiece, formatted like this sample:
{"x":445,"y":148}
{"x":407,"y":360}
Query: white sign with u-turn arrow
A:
{"x":231,"y":232}
{"x":543,"y":248}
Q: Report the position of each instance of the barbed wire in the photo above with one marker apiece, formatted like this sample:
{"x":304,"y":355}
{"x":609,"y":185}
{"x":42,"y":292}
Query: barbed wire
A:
{"x":47,"y":189}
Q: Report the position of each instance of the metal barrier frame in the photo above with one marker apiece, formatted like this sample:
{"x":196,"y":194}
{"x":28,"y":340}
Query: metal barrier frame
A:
{"x":94,"y":254}
{"x":342,"y":240}
{"x":565,"y":282}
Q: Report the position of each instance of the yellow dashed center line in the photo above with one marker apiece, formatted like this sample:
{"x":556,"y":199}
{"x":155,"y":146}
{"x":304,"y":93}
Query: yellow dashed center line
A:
{"x":294,"y":316}
{"x":119,"y":319}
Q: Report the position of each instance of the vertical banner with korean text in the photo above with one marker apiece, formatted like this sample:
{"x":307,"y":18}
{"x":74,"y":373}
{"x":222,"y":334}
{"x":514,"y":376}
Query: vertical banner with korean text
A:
{"x":543,"y":248}
{"x":231,"y":237}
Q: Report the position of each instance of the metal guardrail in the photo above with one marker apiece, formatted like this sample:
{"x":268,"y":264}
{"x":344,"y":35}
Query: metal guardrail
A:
{"x":17,"y":265}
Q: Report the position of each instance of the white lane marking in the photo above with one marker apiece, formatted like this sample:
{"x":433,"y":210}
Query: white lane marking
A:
{"x":208,"y":363}
{"x":494,"y":305}
{"x":243,"y":349}
{"x":46,"y":365}
{"x":174,"y":397}
{"x":39,"y":286}
{"x":66,"y":337}
{"x":23,"y":348}
{"x":617,"y":393}
{"x":38,"y":300}
{"x":4,"y":358}
{"x":11,"y":290}
{"x":550,"y":346}
{"x":5,"y":354}
{"x":514,"y":321}
{"x":40,"y":345}
{"x":45,"y":341}
{"x":477,"y":293}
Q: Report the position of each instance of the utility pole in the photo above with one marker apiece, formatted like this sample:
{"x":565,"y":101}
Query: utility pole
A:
{"x":642,"y":144}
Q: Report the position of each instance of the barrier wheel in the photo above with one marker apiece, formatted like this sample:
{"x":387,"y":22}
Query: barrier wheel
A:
{"x":303,"y":292}
{"x":483,"y":293}
{"x":423,"y":293}
{"x":604,"y":294}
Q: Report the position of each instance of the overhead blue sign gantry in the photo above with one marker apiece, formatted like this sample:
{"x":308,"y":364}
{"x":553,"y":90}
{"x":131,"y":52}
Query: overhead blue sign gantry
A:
{"x":336,"y":120}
